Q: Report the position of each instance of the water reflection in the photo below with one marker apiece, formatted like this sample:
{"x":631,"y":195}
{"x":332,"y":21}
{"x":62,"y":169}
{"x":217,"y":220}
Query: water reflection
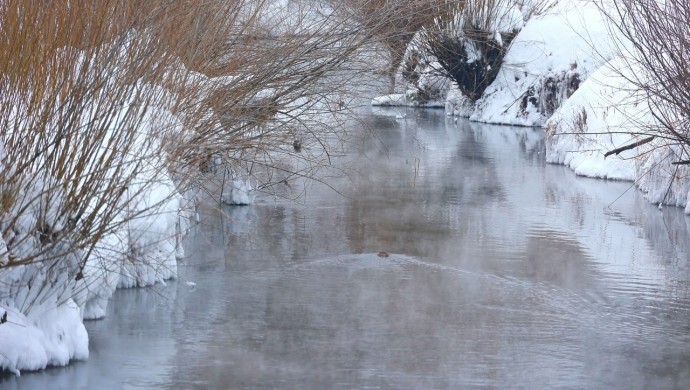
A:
{"x":503,"y":272}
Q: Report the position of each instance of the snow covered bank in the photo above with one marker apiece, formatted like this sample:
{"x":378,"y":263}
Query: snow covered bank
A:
{"x":607,"y":113}
{"x":600,"y":116}
{"x":44,"y":300}
{"x":548,"y":60}
{"x":144,"y":251}
{"x":545,"y":64}
{"x":562,"y":72}
{"x":585,"y":99}
{"x":144,"y":248}
{"x":405,"y":100}
{"x":42,"y":304}
{"x":51,"y":335}
{"x":419,"y":77}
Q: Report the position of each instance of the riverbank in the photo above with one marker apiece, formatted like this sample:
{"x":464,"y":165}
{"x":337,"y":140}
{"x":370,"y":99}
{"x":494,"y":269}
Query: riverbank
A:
{"x":503,"y":272}
{"x":563,"y":73}
{"x":552,"y":77}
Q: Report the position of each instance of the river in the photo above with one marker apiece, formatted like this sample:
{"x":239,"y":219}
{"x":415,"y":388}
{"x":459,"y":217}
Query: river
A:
{"x":499,"y":271}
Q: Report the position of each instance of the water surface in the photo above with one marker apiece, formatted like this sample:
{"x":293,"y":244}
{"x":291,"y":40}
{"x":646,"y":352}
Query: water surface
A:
{"x":502,"y":272}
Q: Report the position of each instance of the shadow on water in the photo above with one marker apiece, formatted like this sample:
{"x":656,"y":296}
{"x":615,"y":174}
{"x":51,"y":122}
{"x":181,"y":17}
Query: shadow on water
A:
{"x":499,"y":271}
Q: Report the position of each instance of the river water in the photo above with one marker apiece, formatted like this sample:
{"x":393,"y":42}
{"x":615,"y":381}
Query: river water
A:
{"x":502,"y":272}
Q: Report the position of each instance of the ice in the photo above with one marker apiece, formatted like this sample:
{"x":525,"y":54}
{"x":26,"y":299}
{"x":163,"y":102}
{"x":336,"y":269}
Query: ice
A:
{"x":397,"y":99}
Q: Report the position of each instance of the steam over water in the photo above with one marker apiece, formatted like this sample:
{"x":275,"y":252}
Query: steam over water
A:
{"x":502,"y":271}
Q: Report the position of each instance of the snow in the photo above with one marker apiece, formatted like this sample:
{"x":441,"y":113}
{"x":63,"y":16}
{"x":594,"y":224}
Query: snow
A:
{"x":458,"y":104}
{"x":662,"y":182}
{"x":239,"y":192}
{"x":606,"y":113}
{"x":550,"y":57}
{"x":552,"y":76}
{"x":548,"y":52}
{"x":603,"y":113}
{"x":396,"y":99}
{"x":49,"y":335}
{"x":143,"y":250}
{"x":151,"y":236}
{"x":221,"y":184}
{"x":579,"y":132}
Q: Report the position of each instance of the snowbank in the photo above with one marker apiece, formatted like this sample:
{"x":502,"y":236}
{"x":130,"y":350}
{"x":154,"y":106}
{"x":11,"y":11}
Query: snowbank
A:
{"x":458,"y":104}
{"x":561,"y":72}
{"x":553,"y":76}
{"x":606,"y":113}
{"x":40,"y":319}
{"x":545,"y":64}
{"x":143,"y":250}
{"x":596,"y":119}
{"x":43,"y":303}
{"x":662,"y":182}
{"x":420,"y":78}
{"x":152,"y":236}
{"x":51,"y":335}
{"x":547,"y":61}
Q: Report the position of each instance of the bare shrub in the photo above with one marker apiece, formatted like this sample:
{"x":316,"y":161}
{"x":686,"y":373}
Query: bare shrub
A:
{"x":100,"y":99}
{"x":394,"y":23}
{"x":71,"y":109}
{"x":272,"y":106}
{"x":653,"y":38}
{"x":471,"y":40}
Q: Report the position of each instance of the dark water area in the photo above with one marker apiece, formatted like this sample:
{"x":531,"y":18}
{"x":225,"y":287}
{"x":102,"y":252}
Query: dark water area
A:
{"x":501,"y":272}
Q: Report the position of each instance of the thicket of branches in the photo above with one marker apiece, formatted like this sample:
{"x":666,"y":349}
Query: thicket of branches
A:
{"x":98,"y":96}
{"x":276,"y":94}
{"x":72,"y":104}
{"x":394,"y":23}
{"x":654,"y":40}
{"x":471,"y":40}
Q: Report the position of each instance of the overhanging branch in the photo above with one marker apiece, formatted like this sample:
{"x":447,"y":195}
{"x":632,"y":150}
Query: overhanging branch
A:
{"x":629,"y":146}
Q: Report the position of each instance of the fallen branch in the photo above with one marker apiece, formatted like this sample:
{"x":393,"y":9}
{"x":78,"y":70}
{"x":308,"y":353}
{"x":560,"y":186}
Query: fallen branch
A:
{"x":684,"y":162}
{"x":630,"y":146}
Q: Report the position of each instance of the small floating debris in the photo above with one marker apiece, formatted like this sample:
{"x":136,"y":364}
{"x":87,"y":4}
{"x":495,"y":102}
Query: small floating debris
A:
{"x":383,"y":254}
{"x":190,"y":284}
